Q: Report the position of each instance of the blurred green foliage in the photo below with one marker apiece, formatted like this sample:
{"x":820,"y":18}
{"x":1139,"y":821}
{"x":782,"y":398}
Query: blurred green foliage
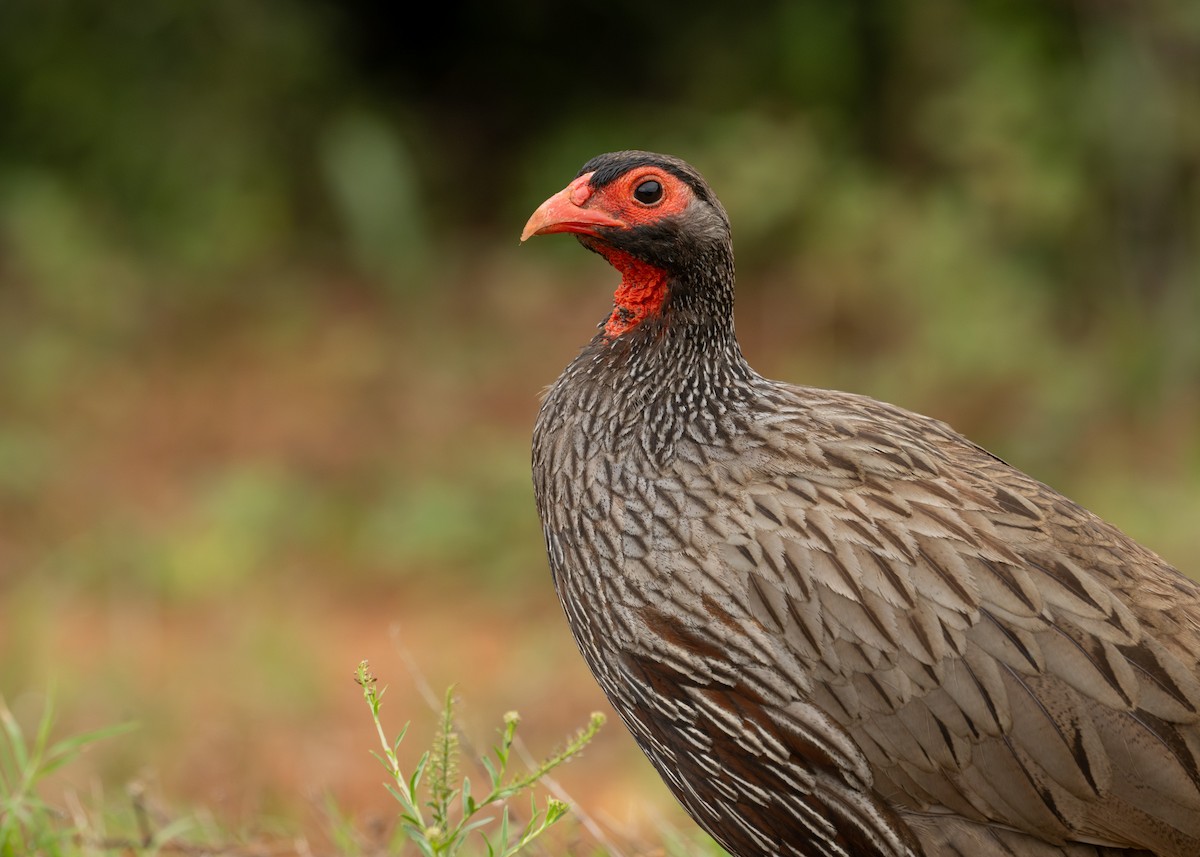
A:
{"x":987,"y":211}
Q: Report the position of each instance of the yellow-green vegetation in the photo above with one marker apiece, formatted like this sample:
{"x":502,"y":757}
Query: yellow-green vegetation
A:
{"x":28,"y":824}
{"x":441,"y":824}
{"x":439,"y":815}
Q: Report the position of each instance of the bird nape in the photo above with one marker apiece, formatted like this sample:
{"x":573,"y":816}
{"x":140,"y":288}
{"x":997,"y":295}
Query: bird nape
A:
{"x":834,"y":626}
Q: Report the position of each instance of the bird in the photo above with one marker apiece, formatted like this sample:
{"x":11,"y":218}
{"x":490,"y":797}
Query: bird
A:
{"x":835,"y":627}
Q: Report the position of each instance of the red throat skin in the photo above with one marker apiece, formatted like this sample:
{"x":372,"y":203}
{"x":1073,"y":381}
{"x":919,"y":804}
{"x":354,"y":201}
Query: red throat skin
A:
{"x":642,"y":292}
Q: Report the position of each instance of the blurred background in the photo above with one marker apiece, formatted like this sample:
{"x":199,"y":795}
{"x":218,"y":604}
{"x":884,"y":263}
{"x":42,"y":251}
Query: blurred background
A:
{"x":271,"y":353}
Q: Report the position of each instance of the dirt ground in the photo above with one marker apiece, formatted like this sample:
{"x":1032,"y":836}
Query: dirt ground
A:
{"x":258,"y":733}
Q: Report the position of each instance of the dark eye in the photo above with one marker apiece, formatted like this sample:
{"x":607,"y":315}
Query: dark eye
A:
{"x":648,"y":192}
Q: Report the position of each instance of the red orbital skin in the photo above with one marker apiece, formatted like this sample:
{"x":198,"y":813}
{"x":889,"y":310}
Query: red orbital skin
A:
{"x":585,"y":210}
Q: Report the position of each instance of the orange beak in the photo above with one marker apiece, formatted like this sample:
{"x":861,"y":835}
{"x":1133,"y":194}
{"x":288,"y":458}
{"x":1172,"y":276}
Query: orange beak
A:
{"x":565,"y":212}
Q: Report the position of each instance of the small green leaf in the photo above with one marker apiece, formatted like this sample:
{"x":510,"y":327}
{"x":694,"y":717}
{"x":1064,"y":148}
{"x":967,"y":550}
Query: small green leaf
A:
{"x":468,"y":802}
{"x":68,"y":749}
{"x":15,"y":737}
{"x":502,"y":837}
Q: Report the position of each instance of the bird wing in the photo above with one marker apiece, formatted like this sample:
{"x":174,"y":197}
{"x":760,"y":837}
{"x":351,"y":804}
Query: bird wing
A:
{"x":994,"y":650}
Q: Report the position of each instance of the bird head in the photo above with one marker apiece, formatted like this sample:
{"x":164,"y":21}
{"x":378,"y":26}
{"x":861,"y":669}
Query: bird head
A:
{"x":654,"y":218}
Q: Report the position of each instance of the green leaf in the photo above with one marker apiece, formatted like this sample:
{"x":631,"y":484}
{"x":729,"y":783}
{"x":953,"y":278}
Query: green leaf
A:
{"x":478,"y":823}
{"x":15,"y":738}
{"x":502,"y":837}
{"x":415,"y":780}
{"x":493,"y":774}
{"x":68,"y":749}
{"x":468,"y":802}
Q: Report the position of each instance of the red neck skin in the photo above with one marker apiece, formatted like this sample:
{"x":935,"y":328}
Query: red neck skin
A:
{"x":641,"y":294}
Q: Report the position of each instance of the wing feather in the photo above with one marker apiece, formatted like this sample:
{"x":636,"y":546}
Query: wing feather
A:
{"x":995,"y":651}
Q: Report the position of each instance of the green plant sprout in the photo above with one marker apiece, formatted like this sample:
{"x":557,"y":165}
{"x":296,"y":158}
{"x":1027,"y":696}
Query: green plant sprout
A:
{"x":440,"y":825}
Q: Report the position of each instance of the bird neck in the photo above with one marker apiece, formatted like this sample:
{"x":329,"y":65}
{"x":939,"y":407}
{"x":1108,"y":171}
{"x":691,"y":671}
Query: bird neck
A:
{"x":675,"y":370}
{"x":641,"y":295}
{"x":699,"y":297}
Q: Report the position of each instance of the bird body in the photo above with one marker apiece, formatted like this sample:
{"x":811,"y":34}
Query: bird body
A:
{"x":834,"y":626}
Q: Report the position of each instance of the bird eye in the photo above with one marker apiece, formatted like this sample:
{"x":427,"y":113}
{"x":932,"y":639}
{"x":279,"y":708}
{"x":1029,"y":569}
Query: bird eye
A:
{"x":648,"y":192}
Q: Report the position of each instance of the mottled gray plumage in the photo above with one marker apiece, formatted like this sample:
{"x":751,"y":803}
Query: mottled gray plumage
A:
{"x":836,"y":627}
